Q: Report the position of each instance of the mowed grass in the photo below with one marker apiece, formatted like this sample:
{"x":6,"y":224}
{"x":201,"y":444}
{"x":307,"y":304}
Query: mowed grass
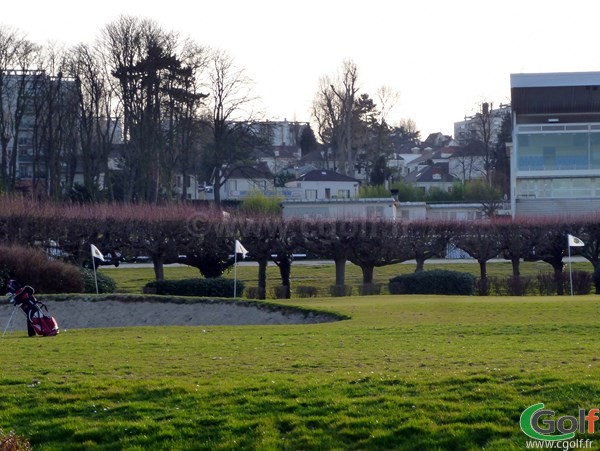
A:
{"x":410,"y":372}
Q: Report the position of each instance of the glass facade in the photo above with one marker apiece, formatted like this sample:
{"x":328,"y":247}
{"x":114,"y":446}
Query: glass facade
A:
{"x":548,"y":188}
{"x":558,"y":147}
{"x":566,"y":150}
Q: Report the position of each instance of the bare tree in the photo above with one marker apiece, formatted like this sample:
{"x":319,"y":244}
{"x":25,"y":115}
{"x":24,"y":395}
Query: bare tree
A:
{"x":96,"y":115}
{"x":229,"y":117}
{"x":17,"y":57}
{"x":333,"y":111}
{"x":56,"y":113}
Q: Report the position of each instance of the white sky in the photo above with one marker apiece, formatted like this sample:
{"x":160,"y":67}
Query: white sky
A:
{"x":444,"y":57}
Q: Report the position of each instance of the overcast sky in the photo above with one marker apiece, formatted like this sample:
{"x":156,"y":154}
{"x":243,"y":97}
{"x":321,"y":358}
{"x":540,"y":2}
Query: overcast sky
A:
{"x":444,"y":57}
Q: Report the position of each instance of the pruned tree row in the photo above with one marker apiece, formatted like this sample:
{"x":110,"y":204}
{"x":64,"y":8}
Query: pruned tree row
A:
{"x":205,"y":239}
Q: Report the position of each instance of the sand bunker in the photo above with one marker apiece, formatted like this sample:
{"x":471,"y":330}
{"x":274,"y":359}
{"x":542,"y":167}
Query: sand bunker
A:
{"x":76,"y":314}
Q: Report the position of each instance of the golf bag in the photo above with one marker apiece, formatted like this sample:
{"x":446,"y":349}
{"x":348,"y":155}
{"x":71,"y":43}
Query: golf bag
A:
{"x":37,"y":322}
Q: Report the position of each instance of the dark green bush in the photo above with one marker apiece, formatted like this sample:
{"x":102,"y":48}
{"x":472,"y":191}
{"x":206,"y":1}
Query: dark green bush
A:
{"x":106,"y":284}
{"x":214,"y":287}
{"x":306,"y":292}
{"x":438,"y":281}
{"x":251,"y":293}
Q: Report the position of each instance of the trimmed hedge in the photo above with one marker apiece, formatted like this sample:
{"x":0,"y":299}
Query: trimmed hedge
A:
{"x":214,"y":287}
{"x":106,"y":284}
{"x":438,"y":281}
{"x":306,"y":291}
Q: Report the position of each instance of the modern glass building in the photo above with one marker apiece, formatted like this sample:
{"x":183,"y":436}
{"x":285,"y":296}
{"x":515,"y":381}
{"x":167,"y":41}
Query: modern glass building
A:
{"x":555,"y":162}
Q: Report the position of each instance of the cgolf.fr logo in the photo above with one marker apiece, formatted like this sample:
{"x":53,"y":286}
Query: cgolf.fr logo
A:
{"x":541,"y":424}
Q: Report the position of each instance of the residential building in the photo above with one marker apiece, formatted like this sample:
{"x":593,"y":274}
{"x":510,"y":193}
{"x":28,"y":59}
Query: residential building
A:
{"x":472,"y":127}
{"x":324,"y":185}
{"x":245,"y":180}
{"x":555,"y":163}
{"x":382,"y":208}
{"x":430,"y":176}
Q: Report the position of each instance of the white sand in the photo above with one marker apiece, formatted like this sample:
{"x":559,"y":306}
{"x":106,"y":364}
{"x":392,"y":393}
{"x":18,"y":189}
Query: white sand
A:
{"x":111,"y":313}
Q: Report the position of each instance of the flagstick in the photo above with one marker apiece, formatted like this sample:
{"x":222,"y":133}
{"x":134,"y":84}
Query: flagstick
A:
{"x":235,"y":275}
{"x":95,"y":277}
{"x":570,"y":268}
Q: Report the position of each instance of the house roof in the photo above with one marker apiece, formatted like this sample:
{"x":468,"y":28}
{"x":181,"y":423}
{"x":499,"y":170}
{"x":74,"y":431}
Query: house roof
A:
{"x":315,"y":155}
{"x":261,"y":171}
{"x":319,"y":175}
{"x":436,"y":173}
{"x":285,"y":152}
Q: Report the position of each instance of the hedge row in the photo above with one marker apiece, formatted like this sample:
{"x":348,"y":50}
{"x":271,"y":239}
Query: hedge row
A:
{"x":438,"y":281}
{"x":218,"y":287}
{"x":206,"y":238}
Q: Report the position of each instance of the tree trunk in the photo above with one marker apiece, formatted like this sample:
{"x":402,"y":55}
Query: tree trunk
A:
{"x":558,"y":278}
{"x":159,"y":269}
{"x":516,"y":266}
{"x":284,"y":262}
{"x":340,"y":271}
{"x":367,"y":271}
{"x":262,"y":278}
{"x":483,"y":280}
{"x":420,"y":264}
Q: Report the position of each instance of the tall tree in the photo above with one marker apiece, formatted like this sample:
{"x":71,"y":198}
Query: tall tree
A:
{"x":97,"y":115}
{"x":157,"y":83}
{"x":333,"y":108}
{"x":229,"y":119}
{"x":17,"y":58}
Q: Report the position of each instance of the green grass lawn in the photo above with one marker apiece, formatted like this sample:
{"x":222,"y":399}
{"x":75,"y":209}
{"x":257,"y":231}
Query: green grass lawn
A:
{"x":404,"y":373}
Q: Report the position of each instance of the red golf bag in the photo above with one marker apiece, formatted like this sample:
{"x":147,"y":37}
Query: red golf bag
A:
{"x":37,"y":322}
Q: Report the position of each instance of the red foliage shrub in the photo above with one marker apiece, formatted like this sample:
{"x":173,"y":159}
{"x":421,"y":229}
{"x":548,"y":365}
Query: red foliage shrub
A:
{"x":32,"y":267}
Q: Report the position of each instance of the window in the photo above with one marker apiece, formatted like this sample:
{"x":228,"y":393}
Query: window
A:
{"x":554,"y":151}
{"x":310,"y":194}
{"x":327,"y":193}
{"x":343,"y":193}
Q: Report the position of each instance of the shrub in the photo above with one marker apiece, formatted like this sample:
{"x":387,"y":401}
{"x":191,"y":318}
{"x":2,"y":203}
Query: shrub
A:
{"x":280,"y":292}
{"x":582,"y":282}
{"x":433,"y":282}
{"x":257,"y":203}
{"x":511,"y":286}
{"x":13,"y":442}
{"x":30,"y":266}
{"x":106,"y":284}
{"x":369,"y":289}
{"x":597,"y":279}
{"x":214,"y":287}
{"x":251,"y":293}
{"x":340,"y":290}
{"x":548,"y":283}
{"x":306,"y":292}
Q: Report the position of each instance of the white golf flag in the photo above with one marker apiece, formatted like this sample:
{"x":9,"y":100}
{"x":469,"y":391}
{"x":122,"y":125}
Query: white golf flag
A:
{"x":239,"y":249}
{"x":96,"y":253}
{"x":575,"y":242}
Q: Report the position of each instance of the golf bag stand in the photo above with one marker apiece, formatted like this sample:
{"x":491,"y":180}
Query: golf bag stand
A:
{"x":12,"y":315}
{"x":37,"y":322}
